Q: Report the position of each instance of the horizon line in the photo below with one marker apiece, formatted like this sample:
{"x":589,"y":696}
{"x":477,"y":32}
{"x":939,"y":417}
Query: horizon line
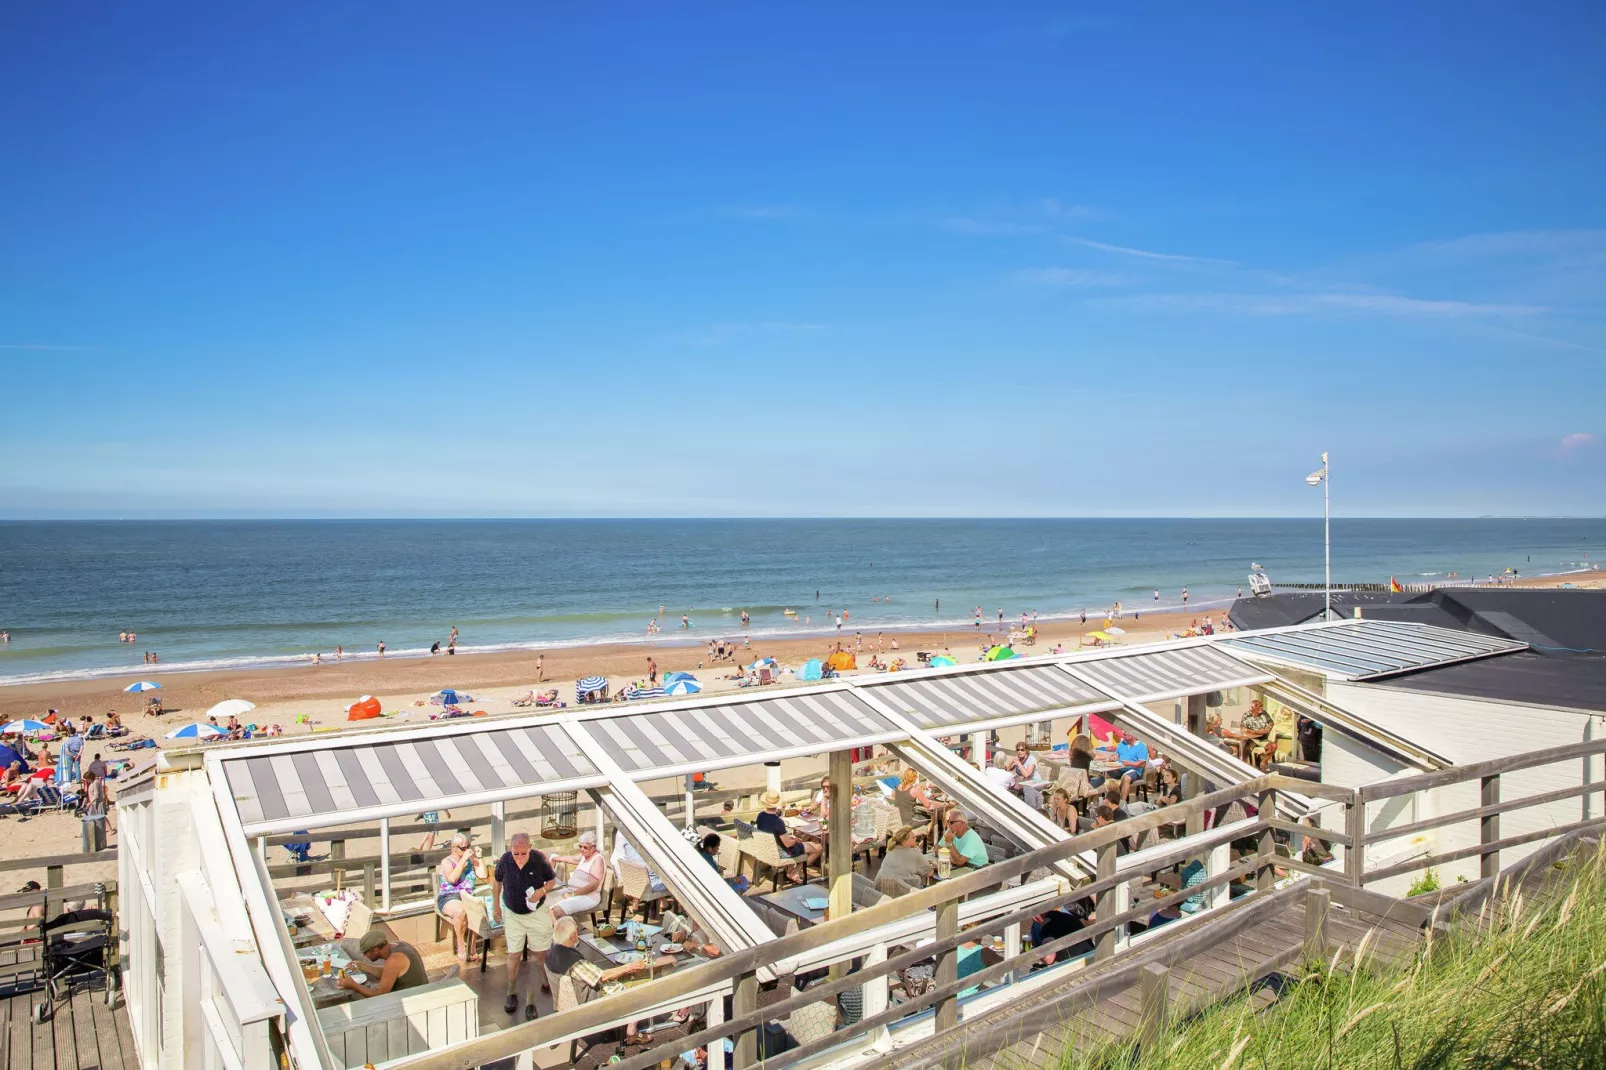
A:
{"x":47,"y":519}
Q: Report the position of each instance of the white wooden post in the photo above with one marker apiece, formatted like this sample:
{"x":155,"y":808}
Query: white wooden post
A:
{"x":978,"y":749}
{"x":384,"y":864}
{"x":1123,"y":903}
{"x":498,"y":830}
{"x":262,"y":849}
{"x":876,"y":999}
{"x":1012,"y":947}
{"x":689,"y":800}
{"x":1218,"y":862}
{"x":1589,"y":769}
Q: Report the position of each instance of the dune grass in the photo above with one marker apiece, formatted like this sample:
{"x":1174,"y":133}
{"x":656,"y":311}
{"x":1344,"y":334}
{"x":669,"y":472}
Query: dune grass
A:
{"x":1521,"y":985}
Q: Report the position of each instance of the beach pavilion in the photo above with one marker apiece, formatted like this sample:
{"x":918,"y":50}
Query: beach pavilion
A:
{"x":212,"y":968}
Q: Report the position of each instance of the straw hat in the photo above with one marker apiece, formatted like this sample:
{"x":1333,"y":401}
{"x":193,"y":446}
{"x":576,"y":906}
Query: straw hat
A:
{"x":770,"y":799}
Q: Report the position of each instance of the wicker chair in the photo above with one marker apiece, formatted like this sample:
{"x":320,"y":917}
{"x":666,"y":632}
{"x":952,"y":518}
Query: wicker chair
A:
{"x":730,"y":853}
{"x":766,"y":854}
{"x":812,"y":1021}
{"x":636,"y":884}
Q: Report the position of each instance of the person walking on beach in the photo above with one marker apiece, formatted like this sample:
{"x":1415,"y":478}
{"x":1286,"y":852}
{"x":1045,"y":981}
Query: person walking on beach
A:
{"x":1157,"y":594}
{"x":938,"y":607}
{"x":453,"y":640}
{"x":685,"y":622}
{"x":1184,"y":596}
{"x":540,"y":668}
{"x":652,"y":671}
{"x":1084,"y":616}
{"x":340,"y":653}
{"x":381,"y":648}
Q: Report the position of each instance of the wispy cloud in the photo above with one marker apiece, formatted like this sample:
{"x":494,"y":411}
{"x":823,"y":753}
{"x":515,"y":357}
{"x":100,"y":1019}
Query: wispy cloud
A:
{"x":1308,"y":304}
{"x":1576,"y":442}
{"x":1564,"y":243}
{"x":760,"y":211}
{"x":1063,"y":276}
{"x":1147,"y":254}
{"x":1057,"y":210}
{"x":54,"y":348}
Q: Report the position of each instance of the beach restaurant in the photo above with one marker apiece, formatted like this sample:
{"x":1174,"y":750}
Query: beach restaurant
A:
{"x":228,"y":952}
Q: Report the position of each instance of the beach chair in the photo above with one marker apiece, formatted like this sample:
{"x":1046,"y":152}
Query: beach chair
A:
{"x":766,"y":854}
{"x":765,"y":676}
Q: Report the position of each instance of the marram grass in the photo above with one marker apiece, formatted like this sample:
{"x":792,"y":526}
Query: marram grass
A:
{"x":1523,"y":985}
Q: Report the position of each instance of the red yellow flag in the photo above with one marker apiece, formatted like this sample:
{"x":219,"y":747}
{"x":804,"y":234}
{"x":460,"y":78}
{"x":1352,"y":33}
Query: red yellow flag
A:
{"x":1394,"y":585}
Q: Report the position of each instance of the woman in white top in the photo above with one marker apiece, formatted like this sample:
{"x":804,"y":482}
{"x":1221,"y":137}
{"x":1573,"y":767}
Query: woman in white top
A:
{"x":582,"y":893}
{"x":1023,"y":765}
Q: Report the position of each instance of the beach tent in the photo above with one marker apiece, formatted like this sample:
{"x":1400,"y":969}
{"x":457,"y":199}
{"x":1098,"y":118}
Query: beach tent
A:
{"x":363,"y":709}
{"x":144,"y":685}
{"x":842,"y":660}
{"x":1000,"y":653}
{"x":229,"y":707}
{"x":9,"y":755}
{"x":671,"y":677}
{"x":810,"y":670}
{"x":940,"y":660}
{"x":684,"y":686}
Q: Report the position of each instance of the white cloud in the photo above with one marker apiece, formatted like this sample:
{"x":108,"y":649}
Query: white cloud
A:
{"x":1578,"y":440}
{"x":1307,"y":304}
{"x":1149,"y":254}
{"x":1565,"y":244}
{"x":1063,"y":276}
{"x":1055,"y":210}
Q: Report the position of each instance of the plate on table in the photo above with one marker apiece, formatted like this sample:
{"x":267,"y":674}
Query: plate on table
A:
{"x":672,"y":949}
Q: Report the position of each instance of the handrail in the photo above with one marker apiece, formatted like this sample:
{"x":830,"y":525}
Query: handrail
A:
{"x":8,"y":865}
{"x":1388,"y":789}
{"x":729,"y":968}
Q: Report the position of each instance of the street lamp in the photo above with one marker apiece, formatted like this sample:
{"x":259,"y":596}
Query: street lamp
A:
{"x":1321,"y":476}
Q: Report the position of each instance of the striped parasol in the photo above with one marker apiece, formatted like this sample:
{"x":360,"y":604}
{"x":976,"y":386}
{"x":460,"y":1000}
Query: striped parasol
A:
{"x":590,"y":683}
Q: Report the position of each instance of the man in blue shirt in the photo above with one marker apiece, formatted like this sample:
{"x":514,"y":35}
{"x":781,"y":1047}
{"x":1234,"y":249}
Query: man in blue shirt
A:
{"x":1133,"y":754}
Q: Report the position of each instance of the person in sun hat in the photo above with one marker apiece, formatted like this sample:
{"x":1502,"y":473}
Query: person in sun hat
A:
{"x":771,"y":821}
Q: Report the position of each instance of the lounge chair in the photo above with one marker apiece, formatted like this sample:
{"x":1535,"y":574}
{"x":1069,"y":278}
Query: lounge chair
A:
{"x":765,"y":676}
{"x":528,"y":699}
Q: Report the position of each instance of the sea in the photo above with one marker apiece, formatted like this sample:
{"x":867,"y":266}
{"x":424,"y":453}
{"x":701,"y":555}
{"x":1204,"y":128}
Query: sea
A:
{"x":219,"y":594}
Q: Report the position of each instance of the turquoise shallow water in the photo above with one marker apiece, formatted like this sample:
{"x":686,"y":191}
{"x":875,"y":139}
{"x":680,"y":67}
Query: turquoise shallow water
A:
{"x":213,"y":594}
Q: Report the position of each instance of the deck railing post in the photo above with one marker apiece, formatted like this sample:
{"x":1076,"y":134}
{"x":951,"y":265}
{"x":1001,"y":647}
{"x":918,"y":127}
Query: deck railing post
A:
{"x":1155,"y":996}
{"x":1489,"y":828}
{"x":1266,"y":875}
{"x":368,"y":883}
{"x":877,"y":997}
{"x":384,"y":864}
{"x":1105,"y":907}
{"x":1355,"y":830}
{"x":337,"y":851}
{"x":53,"y":876}
{"x":947,"y":963}
{"x":1318,"y":901}
{"x":745,"y":1001}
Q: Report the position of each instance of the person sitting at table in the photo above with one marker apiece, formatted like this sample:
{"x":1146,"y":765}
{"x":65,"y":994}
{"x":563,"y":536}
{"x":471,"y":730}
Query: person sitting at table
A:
{"x":1170,"y":792}
{"x":458,"y":872}
{"x":581,"y":894}
{"x":624,"y":850}
{"x":962,"y":843}
{"x":910,"y":793}
{"x":770,"y":821}
{"x":708,"y":847}
{"x":1054,"y":924}
{"x":1061,"y":811}
{"x":905,"y":861}
{"x":396,"y":965}
{"x":821,"y":803}
{"x":565,"y":960}
{"x":1109,"y":815}
{"x":1133,"y":754}
{"x":1252,"y":732}
{"x":1023,"y":765}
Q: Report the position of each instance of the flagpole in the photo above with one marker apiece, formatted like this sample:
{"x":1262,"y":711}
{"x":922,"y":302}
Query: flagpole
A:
{"x":1327,"y":535}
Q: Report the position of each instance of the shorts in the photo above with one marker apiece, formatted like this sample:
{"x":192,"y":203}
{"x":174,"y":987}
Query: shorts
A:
{"x":534,"y":929}
{"x":1132,"y":774}
{"x":446,"y":897}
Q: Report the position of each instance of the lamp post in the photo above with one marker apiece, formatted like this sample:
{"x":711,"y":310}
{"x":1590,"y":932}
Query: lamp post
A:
{"x":1320,"y":476}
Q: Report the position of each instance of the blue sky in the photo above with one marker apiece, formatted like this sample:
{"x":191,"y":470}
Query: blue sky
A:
{"x":346,"y":259}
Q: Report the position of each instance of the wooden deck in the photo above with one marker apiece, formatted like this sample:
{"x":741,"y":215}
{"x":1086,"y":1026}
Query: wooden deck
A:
{"x":82,"y":1034}
{"x":1083,"y":1012}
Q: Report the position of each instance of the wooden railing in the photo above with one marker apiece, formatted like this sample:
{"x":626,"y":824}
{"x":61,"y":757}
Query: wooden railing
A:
{"x":738,"y":973}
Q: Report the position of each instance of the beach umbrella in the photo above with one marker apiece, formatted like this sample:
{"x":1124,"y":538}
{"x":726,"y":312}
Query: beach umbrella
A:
{"x":589,"y":684}
{"x":684,"y":686}
{"x":761,"y":662}
{"x":671,"y":677}
{"x":1000,"y":653}
{"x":144,"y":685}
{"x":24,"y":726}
{"x":229,"y":707}
{"x":197,"y":730}
{"x":939,"y":660}
{"x":1101,"y":636}
{"x":811,"y":670}
{"x":449,"y":696}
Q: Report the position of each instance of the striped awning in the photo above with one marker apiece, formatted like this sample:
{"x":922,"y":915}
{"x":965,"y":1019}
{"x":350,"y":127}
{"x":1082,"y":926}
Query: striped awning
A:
{"x":986,"y":695}
{"x":315,"y":785}
{"x":1366,"y":649}
{"x":1163,"y":674}
{"x":715,"y":736}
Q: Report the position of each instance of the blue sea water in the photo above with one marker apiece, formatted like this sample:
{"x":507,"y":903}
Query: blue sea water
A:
{"x":213,"y":594}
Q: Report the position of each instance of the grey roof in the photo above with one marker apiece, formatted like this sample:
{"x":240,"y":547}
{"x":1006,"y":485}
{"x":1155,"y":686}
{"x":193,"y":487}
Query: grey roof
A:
{"x":985,"y":694}
{"x":1566,"y":681}
{"x":1364,"y":649}
{"x":317,"y":782}
{"x":709,"y":736}
{"x":1162,"y":674}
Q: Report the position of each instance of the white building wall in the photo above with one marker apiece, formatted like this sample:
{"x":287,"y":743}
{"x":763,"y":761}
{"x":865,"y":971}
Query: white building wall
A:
{"x":1468,"y":730}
